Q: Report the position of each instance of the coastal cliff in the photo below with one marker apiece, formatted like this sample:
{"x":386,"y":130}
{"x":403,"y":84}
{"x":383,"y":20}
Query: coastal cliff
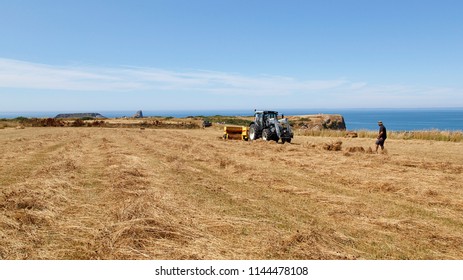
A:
{"x":319,"y":122}
{"x":80,"y":116}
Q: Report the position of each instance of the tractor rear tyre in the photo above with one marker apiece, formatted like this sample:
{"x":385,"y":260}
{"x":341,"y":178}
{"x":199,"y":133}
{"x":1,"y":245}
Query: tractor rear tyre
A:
{"x":283,"y":140}
{"x":253,"y":135}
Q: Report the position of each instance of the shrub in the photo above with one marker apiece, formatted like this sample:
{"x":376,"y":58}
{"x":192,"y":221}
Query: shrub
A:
{"x":21,"y":119}
{"x":78,"y":123}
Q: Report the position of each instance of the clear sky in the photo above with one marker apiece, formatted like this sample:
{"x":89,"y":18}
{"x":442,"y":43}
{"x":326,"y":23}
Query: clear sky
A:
{"x":88,"y":55}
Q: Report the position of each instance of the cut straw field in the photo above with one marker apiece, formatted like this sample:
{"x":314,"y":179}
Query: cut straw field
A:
{"x":127,"y":193}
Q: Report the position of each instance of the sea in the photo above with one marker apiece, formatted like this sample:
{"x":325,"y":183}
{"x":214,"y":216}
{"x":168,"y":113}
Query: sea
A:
{"x":447,"y":119}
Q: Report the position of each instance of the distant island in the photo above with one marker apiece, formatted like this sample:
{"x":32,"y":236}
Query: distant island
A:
{"x":80,"y":115}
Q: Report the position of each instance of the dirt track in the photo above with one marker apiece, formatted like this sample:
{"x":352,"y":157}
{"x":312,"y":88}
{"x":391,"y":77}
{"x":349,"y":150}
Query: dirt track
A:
{"x":106,"y":193}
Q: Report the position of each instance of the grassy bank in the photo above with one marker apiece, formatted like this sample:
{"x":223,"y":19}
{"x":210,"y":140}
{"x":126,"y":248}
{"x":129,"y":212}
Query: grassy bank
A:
{"x":434,"y":135}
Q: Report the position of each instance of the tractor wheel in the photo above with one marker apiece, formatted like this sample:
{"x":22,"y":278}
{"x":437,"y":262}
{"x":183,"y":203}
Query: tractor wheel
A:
{"x":266,"y":135}
{"x":284,"y":140}
{"x":253,"y":132}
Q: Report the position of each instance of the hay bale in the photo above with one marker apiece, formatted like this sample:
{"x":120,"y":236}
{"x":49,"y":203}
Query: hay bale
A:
{"x":355,"y":150}
{"x":351,"y":134}
{"x":336,"y":146}
{"x":327,"y":146}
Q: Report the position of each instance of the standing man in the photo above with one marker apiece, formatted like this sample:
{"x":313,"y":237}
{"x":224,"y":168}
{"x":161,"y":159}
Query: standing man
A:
{"x":382,"y":135}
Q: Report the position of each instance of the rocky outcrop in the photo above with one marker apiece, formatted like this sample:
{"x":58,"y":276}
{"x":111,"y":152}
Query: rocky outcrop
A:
{"x":80,"y":116}
{"x":138,"y":115}
{"x":319,"y":122}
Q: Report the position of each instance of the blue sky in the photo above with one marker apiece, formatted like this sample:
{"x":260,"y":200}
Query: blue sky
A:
{"x":102,"y":55}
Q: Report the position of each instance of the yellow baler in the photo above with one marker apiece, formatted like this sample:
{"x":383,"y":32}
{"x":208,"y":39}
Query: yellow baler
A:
{"x":235,"y":132}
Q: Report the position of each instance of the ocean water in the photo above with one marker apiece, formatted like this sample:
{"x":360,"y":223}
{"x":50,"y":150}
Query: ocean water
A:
{"x":356,"y":119}
{"x":404,"y":119}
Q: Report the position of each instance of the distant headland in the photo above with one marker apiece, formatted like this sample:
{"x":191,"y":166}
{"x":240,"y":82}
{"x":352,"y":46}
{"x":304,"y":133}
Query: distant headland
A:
{"x":80,"y":115}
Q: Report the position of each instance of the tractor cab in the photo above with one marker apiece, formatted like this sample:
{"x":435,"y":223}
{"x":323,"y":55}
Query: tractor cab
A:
{"x":262,"y":117}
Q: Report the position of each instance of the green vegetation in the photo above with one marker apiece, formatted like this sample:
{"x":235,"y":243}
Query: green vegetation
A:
{"x":244,"y":121}
{"x":87,"y":118}
{"x":20,"y":119}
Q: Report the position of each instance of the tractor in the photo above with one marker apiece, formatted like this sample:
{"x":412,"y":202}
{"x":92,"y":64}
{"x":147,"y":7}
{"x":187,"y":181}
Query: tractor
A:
{"x":267,"y":125}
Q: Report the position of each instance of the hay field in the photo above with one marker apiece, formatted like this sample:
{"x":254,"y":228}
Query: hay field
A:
{"x":121,"y":193}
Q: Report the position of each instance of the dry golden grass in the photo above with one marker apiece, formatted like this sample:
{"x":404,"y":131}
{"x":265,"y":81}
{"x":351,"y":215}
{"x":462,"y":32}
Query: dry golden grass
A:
{"x":120,"y":193}
{"x":436,"y":135}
